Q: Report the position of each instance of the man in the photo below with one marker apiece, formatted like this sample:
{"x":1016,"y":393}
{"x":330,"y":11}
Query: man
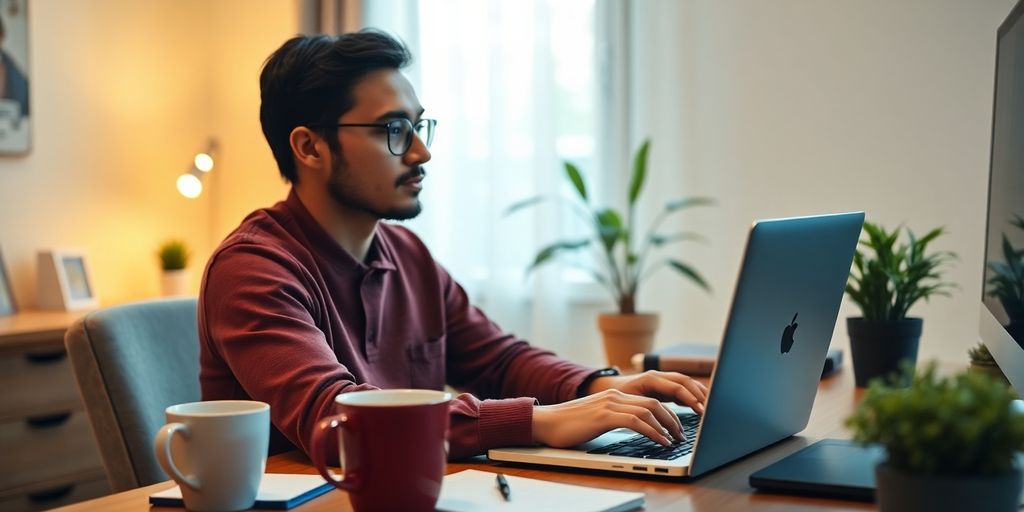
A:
{"x":316,"y":296}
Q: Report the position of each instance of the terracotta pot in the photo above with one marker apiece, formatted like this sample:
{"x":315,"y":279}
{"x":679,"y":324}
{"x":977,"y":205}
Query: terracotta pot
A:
{"x":625,"y":335}
{"x":174,"y":283}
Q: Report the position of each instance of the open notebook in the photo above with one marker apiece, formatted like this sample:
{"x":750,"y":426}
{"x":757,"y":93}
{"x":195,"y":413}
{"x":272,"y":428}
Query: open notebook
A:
{"x":473,"y":490}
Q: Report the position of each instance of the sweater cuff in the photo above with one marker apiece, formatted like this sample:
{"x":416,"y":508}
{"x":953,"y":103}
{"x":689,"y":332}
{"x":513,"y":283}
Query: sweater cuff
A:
{"x":506,"y":422}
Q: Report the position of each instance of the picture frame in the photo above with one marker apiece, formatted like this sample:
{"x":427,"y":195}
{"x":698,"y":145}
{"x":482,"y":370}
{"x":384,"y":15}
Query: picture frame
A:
{"x":15,"y":110}
{"x":64,"y":281}
{"x":7,"y":304}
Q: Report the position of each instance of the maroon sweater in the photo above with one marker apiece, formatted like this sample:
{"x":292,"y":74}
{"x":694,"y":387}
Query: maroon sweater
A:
{"x":288,"y":317}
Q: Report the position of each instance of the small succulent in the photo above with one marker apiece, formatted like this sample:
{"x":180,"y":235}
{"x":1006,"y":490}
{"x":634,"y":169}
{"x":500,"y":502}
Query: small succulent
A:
{"x":980,"y":354}
{"x":173,"y":255}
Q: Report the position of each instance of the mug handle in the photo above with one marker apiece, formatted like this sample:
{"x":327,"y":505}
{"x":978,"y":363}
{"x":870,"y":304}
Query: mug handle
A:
{"x":346,"y":481}
{"x":163,"y":453}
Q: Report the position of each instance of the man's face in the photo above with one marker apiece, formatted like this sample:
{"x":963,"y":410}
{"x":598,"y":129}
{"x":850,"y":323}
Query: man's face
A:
{"x":366,"y":176}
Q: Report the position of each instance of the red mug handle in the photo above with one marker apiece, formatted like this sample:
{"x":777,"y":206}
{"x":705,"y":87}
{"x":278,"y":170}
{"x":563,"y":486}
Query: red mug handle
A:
{"x":346,"y":481}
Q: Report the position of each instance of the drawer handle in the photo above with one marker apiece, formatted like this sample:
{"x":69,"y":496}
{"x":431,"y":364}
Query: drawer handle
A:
{"x":51,"y":494}
{"x":48,"y":420}
{"x":46,"y":357}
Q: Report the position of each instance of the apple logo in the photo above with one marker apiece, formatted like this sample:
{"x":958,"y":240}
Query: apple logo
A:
{"x":787,"y":335}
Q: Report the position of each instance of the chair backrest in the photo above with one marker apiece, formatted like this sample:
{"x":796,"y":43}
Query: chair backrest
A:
{"x":131,"y":362}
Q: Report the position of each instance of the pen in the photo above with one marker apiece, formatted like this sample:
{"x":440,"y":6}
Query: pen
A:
{"x":506,"y":492}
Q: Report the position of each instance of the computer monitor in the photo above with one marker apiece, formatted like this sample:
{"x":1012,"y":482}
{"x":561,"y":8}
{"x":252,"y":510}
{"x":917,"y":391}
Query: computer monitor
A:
{"x":1002,"y":297}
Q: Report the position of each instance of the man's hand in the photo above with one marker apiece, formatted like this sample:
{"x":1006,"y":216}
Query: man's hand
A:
{"x":578,"y":421}
{"x":665,"y":386}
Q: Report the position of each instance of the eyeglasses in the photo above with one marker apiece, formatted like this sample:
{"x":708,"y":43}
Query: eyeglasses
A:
{"x":400,"y":133}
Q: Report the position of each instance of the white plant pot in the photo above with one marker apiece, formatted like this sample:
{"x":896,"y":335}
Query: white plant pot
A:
{"x":174,"y":283}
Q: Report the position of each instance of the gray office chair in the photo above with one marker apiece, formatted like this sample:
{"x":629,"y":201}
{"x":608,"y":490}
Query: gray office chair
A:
{"x":131,"y":362}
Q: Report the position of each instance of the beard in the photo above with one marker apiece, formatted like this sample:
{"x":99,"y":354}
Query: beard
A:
{"x":343,"y":194}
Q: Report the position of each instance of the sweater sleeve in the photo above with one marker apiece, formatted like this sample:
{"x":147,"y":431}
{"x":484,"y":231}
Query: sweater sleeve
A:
{"x":255,"y":315}
{"x":495,"y":365}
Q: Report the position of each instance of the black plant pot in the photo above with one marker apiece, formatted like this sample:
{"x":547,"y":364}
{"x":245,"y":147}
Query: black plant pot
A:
{"x":900,"y":491}
{"x":878,"y":347}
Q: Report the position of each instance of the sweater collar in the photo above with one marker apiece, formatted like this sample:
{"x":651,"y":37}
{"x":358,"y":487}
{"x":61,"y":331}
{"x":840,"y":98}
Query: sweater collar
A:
{"x":379,"y":256}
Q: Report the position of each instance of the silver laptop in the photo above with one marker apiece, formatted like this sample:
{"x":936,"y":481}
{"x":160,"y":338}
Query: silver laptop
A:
{"x":783,"y":313}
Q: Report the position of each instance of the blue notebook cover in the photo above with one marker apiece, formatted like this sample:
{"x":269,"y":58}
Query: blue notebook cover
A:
{"x":278,"y":491}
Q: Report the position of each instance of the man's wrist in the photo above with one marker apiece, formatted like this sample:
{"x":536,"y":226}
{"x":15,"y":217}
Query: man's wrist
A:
{"x":584,"y":387}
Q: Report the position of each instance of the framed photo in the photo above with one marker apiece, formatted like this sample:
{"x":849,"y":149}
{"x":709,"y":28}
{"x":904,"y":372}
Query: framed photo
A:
{"x":7,"y":304}
{"x":64,"y":281}
{"x":14,"y":78}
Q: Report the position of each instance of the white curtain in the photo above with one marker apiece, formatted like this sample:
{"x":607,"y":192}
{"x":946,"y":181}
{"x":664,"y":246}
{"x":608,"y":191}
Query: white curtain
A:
{"x":513,"y":86}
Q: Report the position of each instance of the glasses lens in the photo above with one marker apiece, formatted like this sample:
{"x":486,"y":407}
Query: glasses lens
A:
{"x":425,"y":131}
{"x":399,"y":136}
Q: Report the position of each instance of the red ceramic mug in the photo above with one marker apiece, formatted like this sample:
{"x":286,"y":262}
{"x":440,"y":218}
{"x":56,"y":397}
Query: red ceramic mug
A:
{"x":392,"y":447}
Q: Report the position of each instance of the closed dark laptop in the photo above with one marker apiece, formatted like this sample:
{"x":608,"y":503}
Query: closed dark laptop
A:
{"x":831,"y":467}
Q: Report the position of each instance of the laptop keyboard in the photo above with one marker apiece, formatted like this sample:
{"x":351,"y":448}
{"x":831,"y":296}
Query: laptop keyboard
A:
{"x":640,"y":446}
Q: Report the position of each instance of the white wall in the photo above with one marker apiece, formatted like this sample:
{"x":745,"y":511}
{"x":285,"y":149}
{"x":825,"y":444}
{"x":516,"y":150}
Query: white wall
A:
{"x":794,"y":107}
{"x":123,"y":94}
{"x":775,"y":108}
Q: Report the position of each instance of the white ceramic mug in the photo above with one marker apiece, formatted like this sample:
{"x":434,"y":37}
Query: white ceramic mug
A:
{"x":216,"y":451}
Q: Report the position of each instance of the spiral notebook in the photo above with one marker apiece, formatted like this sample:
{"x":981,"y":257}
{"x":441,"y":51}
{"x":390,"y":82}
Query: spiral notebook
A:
{"x":277,"y":491}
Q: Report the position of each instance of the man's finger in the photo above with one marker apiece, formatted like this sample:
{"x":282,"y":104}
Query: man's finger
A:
{"x":641,"y":420}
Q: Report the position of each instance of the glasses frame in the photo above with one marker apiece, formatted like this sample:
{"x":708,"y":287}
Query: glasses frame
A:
{"x":413,"y":131}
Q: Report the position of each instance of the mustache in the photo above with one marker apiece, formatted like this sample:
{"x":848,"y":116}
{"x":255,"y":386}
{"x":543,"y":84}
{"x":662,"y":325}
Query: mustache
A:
{"x":415,"y":172}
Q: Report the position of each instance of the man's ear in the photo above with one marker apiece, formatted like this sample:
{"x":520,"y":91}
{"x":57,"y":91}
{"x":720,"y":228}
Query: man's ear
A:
{"x":309,"y":149}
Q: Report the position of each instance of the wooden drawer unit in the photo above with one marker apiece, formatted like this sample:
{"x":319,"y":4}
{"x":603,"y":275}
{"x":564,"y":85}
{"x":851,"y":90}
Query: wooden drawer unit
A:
{"x":89,"y":487}
{"x":44,"y":448}
{"x":36,"y":382}
{"x":50,"y":457}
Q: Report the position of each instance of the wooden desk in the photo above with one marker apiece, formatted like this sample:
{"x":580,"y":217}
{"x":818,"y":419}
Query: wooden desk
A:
{"x":723,"y":489}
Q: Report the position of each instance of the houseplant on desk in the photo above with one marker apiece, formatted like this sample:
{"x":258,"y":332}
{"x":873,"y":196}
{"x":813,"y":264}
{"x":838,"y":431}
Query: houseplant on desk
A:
{"x":950,"y":443}
{"x":174,"y":257}
{"x":886,"y":280}
{"x":621,"y":253}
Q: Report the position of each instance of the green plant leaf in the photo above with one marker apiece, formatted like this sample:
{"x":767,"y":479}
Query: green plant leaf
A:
{"x":636,"y":182}
{"x":609,"y":227}
{"x":576,"y":177}
{"x":525,"y":203}
{"x":887,"y":278}
{"x":687,"y":202}
{"x":689,"y":272}
{"x":660,"y":240}
{"x":552,"y":250}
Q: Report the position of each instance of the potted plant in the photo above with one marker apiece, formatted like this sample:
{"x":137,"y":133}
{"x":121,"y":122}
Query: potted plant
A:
{"x":173,"y":256}
{"x":885,"y":281}
{"x":622,"y":257}
{"x":950,"y":443}
{"x":1007,"y":284}
{"x":983,"y":362}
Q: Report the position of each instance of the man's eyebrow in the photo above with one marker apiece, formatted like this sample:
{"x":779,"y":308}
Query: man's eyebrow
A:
{"x":398,"y":114}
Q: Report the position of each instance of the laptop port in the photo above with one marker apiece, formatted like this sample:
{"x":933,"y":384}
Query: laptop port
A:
{"x":639,"y":468}
{"x":661,"y":470}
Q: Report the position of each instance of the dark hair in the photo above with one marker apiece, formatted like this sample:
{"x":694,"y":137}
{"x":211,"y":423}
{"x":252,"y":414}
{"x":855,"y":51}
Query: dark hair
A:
{"x":308,"y":81}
